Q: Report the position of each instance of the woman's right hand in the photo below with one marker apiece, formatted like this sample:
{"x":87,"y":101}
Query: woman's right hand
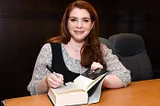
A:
{"x":54,"y":81}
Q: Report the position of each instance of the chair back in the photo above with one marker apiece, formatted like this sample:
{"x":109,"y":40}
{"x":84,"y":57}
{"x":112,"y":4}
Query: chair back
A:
{"x":106,"y":42}
{"x":131,"y":51}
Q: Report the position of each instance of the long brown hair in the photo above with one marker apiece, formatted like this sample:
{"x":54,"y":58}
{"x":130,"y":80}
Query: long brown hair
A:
{"x":91,"y":50}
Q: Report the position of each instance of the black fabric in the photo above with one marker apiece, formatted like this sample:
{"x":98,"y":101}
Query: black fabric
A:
{"x":58,"y":64}
{"x":130,"y":49}
{"x":2,"y":104}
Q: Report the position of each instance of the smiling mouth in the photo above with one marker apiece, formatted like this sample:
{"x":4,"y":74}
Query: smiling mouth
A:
{"x":78,"y":32}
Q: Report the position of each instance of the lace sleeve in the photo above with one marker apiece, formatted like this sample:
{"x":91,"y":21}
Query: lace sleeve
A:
{"x":40,"y":70}
{"x":115,"y":66}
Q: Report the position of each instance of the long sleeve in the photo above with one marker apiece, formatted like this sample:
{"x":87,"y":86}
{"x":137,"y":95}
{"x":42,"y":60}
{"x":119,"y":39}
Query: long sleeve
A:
{"x":44,"y":58}
{"x":115,"y":67}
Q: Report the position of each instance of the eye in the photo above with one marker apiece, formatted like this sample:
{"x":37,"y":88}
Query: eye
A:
{"x":73,"y":20}
{"x":86,"y":20}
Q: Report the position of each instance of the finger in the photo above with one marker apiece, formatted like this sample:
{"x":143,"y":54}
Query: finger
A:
{"x":93,"y":68}
{"x":60,"y":76}
{"x":93,"y":64}
{"x":57,"y":79}
{"x":53,"y":83}
{"x":96,"y":65}
{"x":100,"y":66}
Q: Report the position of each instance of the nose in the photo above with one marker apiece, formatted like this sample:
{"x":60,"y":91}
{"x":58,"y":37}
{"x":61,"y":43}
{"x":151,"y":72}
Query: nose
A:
{"x":79,"y":24}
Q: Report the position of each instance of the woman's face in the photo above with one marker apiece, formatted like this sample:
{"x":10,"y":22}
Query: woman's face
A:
{"x":79,"y":24}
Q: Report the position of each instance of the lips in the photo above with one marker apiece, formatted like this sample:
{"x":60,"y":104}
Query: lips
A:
{"x":78,"y":32}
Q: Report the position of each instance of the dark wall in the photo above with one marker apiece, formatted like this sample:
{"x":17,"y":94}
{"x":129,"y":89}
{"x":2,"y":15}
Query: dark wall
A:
{"x":26,"y":24}
{"x":133,"y":16}
{"x":24,"y":27}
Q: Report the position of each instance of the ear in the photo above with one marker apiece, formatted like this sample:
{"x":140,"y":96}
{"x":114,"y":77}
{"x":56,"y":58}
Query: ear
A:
{"x":92,"y":24}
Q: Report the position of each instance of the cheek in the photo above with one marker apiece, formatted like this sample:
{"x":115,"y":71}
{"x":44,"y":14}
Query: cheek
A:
{"x":89,"y":27}
{"x":70,"y":26}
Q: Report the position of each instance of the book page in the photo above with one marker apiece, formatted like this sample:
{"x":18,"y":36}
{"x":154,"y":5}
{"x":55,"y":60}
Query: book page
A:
{"x":95,"y":97}
{"x":88,"y":79}
{"x":95,"y":81}
{"x":70,"y":87}
{"x":82,"y":82}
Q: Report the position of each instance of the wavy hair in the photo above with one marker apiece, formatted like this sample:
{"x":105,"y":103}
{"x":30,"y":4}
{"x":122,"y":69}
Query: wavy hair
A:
{"x":91,"y":50}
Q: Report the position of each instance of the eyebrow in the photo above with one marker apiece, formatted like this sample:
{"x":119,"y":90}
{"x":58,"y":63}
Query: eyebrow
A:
{"x":82,"y":18}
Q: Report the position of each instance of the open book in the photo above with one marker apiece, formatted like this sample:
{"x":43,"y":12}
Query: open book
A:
{"x":85,"y":89}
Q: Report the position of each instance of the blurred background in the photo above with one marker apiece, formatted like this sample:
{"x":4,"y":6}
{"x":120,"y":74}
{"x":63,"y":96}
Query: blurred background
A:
{"x":25,"y":25}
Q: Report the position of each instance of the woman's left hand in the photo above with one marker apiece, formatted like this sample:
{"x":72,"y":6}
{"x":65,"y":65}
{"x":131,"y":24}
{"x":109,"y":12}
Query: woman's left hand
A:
{"x":96,"y":65}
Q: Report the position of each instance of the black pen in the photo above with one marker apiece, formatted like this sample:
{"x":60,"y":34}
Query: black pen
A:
{"x":52,"y":71}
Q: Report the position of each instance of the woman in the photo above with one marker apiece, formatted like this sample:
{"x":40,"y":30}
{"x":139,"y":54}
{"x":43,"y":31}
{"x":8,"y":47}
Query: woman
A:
{"x":74,"y":51}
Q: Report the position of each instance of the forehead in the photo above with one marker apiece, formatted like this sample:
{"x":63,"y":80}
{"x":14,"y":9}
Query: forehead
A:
{"x":79,"y":13}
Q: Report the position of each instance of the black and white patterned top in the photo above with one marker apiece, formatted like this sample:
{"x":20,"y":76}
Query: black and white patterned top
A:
{"x":45,"y":57}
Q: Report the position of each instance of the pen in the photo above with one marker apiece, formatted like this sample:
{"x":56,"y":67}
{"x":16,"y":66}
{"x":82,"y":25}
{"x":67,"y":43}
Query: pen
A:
{"x":52,"y":71}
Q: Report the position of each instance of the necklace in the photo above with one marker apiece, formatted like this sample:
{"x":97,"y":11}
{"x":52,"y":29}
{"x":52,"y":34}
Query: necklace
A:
{"x":76,"y":51}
